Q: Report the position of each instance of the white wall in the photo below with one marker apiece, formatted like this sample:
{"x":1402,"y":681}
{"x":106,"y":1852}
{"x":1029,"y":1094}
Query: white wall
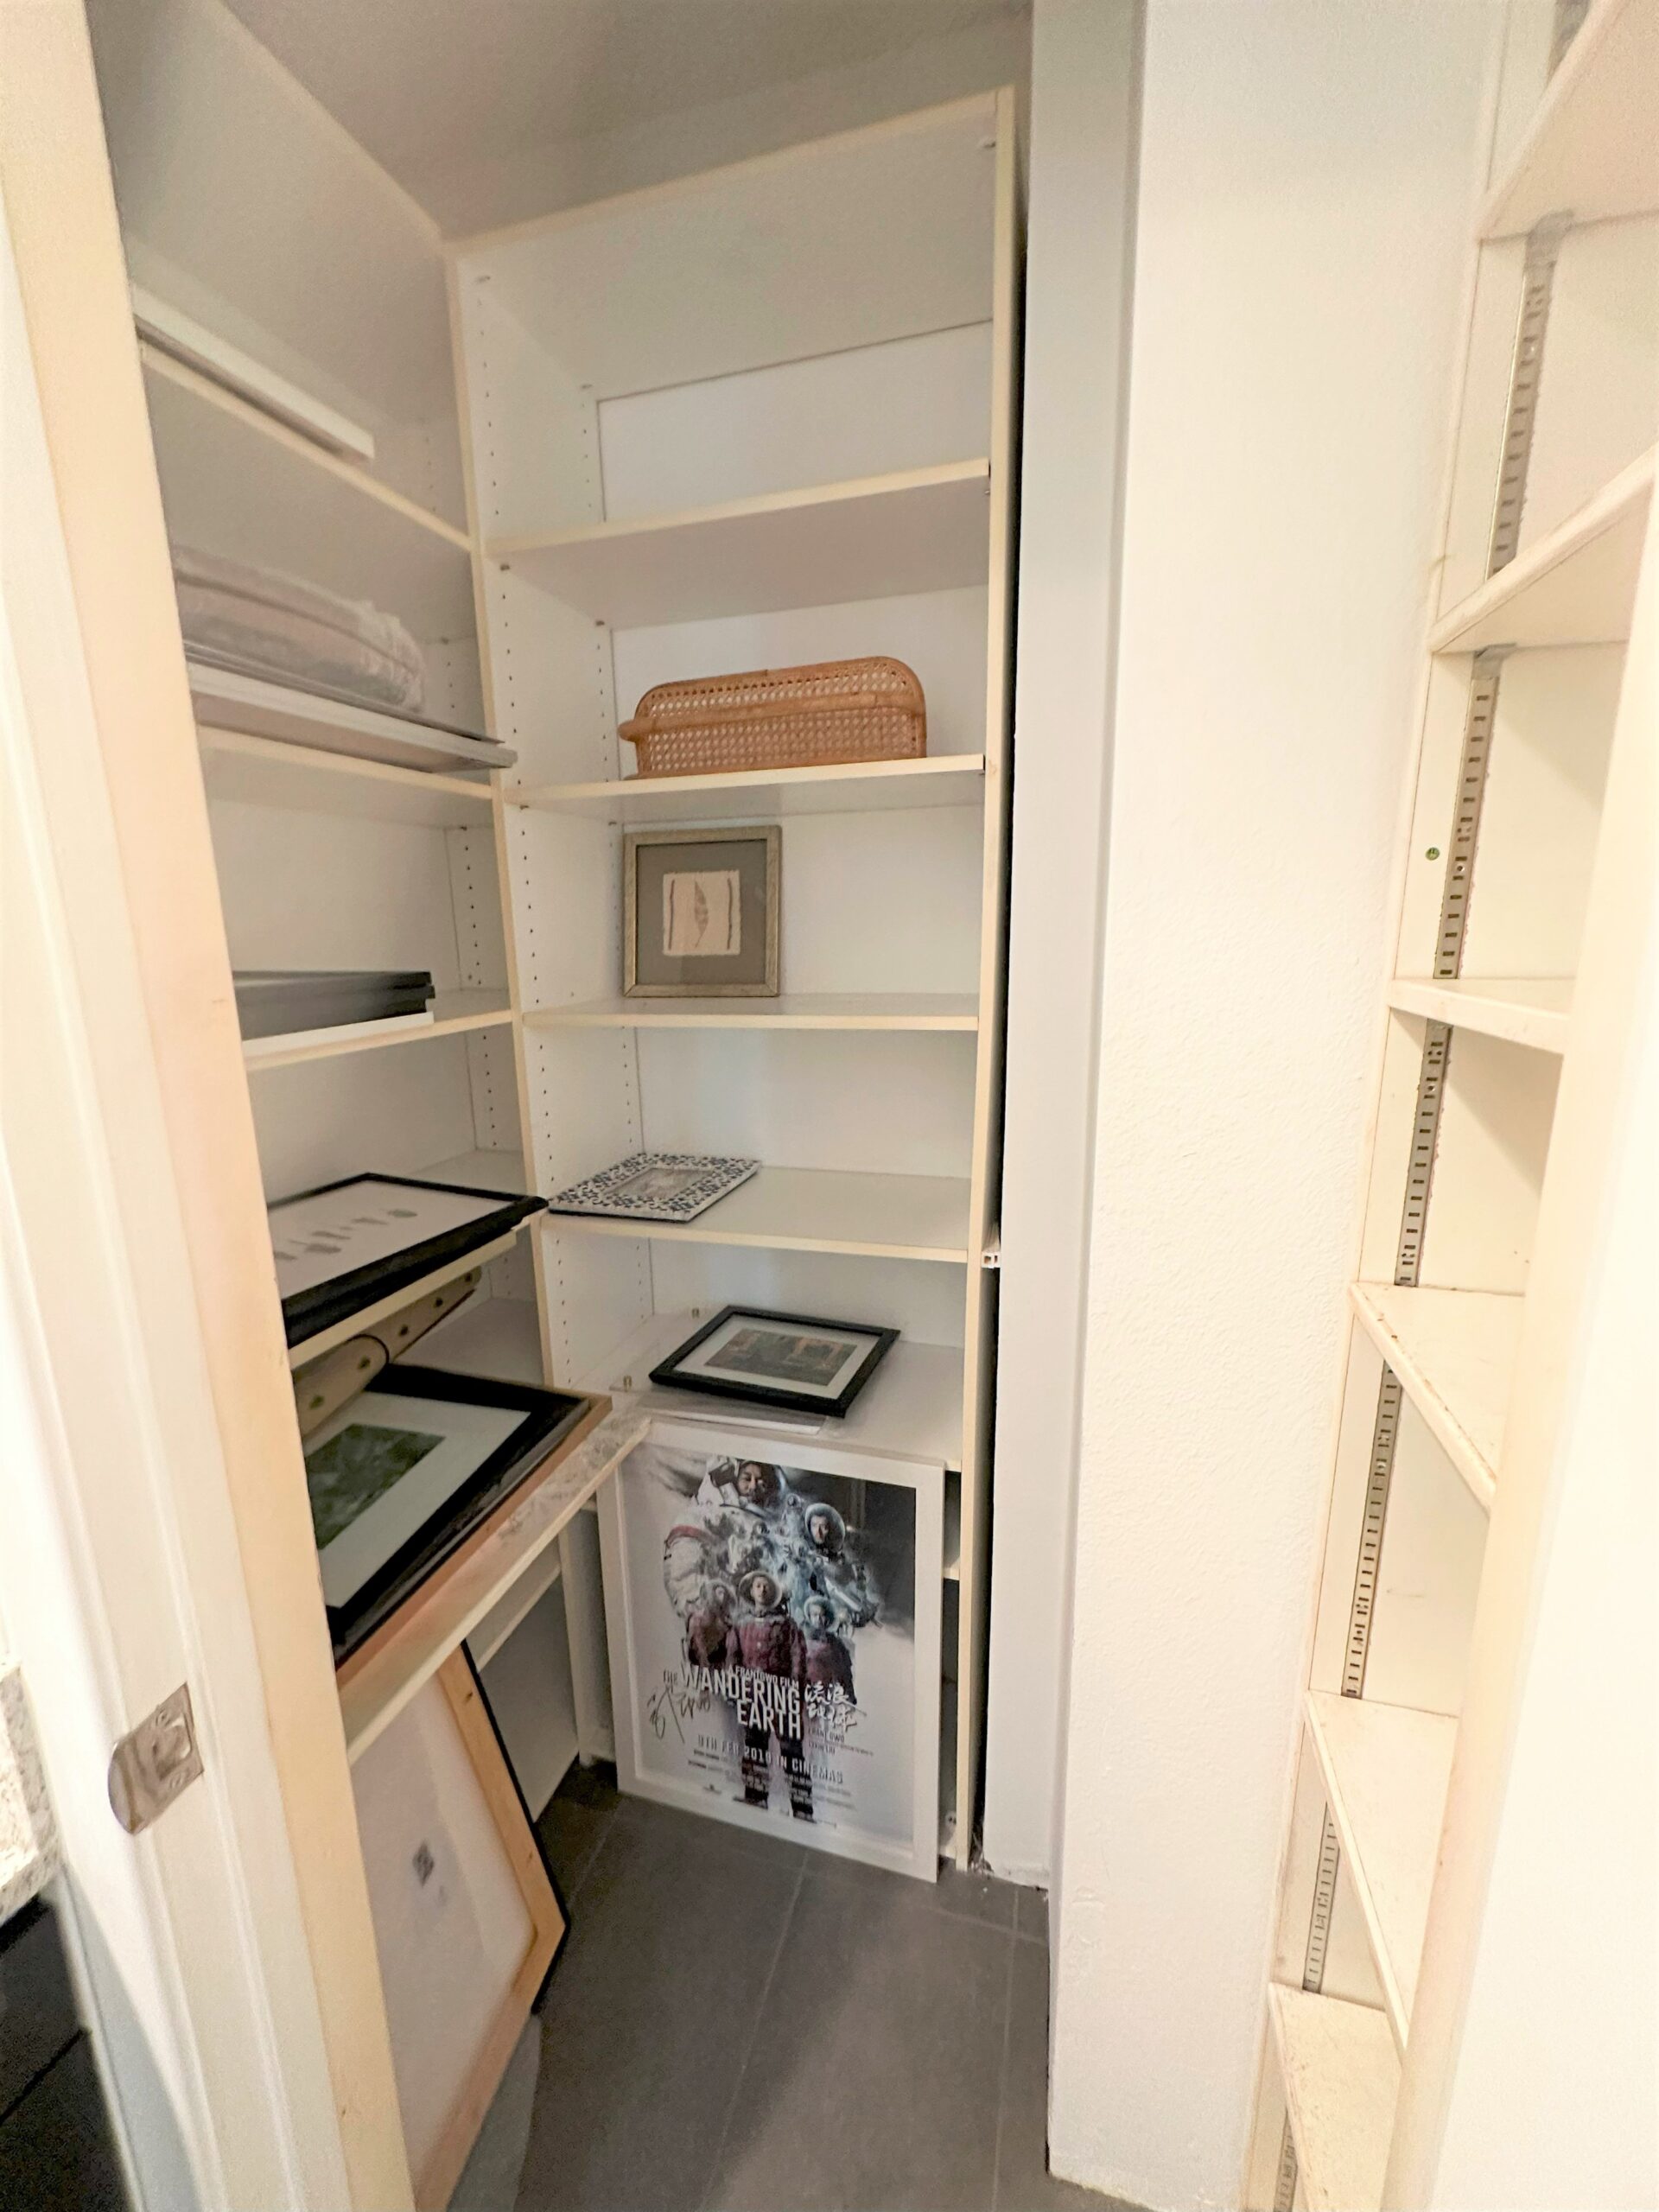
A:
{"x":1083,"y":66}
{"x":1306,"y":176}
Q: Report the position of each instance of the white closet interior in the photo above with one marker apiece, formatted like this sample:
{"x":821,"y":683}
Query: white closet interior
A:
{"x":747,"y":420}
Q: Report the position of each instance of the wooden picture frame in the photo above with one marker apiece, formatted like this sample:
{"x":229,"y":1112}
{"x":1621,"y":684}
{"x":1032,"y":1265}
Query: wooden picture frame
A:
{"x":734,"y":852}
{"x":468,"y":1918}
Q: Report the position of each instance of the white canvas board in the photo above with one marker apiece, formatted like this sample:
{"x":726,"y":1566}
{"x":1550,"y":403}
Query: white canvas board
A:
{"x":451,"y":1926}
{"x":335,"y":1232}
{"x":774,"y":1636}
{"x":379,"y":1469}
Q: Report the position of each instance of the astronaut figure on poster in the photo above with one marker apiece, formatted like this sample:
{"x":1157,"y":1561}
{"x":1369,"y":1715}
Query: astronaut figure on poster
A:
{"x":788,"y":1685}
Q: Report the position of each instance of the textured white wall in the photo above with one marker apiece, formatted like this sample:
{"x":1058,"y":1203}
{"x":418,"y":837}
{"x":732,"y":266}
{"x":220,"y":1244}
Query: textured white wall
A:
{"x":1083,"y":65}
{"x":1306,"y":176}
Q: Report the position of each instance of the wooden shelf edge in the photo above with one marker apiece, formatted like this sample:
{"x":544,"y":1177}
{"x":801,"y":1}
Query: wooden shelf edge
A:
{"x":841,"y":493}
{"x":1439,"y":1416}
{"x":1577,"y":70}
{"x":1388,"y":1966}
{"x":279,"y":752}
{"x":622,"y":790}
{"x":743,"y":1014}
{"x":1618,"y":501}
{"x":444,"y":1025}
{"x":376,"y":1682}
{"x":303,"y":449}
{"x":754,"y":1240}
{"x":1340,"y":2073}
{"x":1496,"y":1007}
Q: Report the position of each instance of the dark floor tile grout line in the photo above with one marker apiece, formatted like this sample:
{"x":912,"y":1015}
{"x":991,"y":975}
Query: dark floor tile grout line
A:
{"x":593,"y":1856}
{"x":1002,"y":2081}
{"x":754,"y":2031}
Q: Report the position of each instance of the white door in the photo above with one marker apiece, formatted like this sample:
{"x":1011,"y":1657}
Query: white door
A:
{"x":153,"y":1529}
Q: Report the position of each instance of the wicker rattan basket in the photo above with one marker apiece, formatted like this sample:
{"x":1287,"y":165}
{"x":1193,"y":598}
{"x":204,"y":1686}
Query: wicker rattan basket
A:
{"x":834,"y":711}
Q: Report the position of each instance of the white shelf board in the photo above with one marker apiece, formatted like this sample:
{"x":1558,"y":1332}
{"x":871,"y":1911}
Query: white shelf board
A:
{"x":379,"y":1682}
{"x":1454,"y":1352}
{"x":909,"y":1408}
{"x":269,"y":772}
{"x":1341,"y":2077}
{"x":1522,"y":1010}
{"x":826,"y":1010}
{"x":511,"y":1611}
{"x":816,"y":1209}
{"x":1591,"y":148}
{"x":1385,"y":1771}
{"x":850,"y":787}
{"x":453,"y":1014}
{"x":499,"y":1339}
{"x":237,"y":483}
{"x":1573,"y":586}
{"x":875,"y":538}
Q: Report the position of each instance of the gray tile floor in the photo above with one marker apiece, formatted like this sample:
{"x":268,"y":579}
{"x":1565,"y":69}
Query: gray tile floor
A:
{"x":738,"y":2025}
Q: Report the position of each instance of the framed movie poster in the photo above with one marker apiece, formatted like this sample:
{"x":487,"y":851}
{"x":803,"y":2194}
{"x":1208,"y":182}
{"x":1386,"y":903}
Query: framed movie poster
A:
{"x":774,"y":1639}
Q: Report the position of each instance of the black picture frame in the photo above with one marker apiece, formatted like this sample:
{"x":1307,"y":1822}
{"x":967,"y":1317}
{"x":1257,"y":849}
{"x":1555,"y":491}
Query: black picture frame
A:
{"x":668,"y":1372}
{"x":553,"y":1415}
{"x":308,"y":1312}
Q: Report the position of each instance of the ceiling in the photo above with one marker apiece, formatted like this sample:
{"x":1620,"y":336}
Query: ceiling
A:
{"x":442,"y":90}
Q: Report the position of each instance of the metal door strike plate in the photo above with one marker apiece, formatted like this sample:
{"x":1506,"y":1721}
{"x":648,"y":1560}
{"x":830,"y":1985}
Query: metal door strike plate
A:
{"x":155,"y":1763}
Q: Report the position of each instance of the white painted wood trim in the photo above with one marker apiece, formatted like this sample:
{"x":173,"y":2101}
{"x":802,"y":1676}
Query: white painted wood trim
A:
{"x":454,"y":1013}
{"x":933,"y":779}
{"x":269,"y":772}
{"x":867,"y":1011}
{"x":1385,"y":1771}
{"x":305,"y":450}
{"x":1522,"y":1010}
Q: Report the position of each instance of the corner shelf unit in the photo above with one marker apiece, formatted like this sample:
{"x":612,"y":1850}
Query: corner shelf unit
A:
{"x":680,"y":461}
{"x":1529,"y":858}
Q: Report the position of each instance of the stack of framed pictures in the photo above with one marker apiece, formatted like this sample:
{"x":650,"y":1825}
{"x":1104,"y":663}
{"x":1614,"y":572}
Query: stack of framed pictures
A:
{"x":404,"y":1474}
{"x":346,"y":1245}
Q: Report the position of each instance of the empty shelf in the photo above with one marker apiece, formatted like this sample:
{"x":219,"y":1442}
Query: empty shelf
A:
{"x":1385,"y":1771}
{"x":1522,"y":1010}
{"x":269,"y":772}
{"x":816,"y":1210}
{"x":878,"y":1010}
{"x":909,"y":1408}
{"x":499,"y":1339}
{"x":1573,"y":586}
{"x":850,"y":787}
{"x":876,"y":538}
{"x":376,"y":1682}
{"x":1454,"y":1352}
{"x":1341,"y":2076}
{"x":453,"y":1014}
{"x":1591,"y":148}
{"x":236,"y":482}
